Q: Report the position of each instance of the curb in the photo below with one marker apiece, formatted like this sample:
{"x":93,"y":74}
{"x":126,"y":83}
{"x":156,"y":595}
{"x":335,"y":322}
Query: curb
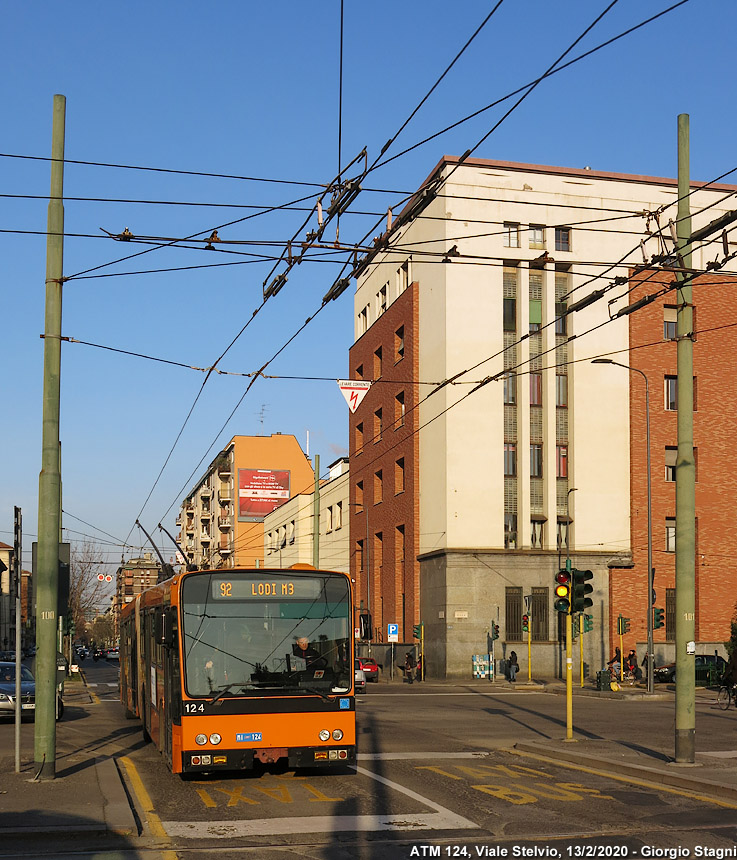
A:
{"x":674,"y":779}
{"x":117,"y":810}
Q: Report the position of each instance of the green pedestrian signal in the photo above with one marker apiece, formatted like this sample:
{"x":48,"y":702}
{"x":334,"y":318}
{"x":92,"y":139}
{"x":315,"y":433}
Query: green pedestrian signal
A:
{"x":658,"y":618}
{"x":623,"y":625}
{"x":562,"y":591}
{"x":588,"y":623}
{"x":580,"y":590}
{"x":417,"y":630}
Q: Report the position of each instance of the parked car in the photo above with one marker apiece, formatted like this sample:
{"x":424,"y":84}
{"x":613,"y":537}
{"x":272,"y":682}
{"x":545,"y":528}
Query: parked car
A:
{"x":360,"y":678}
{"x":27,"y":692}
{"x":370,"y":668}
{"x":667,"y":673}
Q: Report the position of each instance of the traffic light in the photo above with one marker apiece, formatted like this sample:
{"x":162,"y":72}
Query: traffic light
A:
{"x":623,"y":625}
{"x":494,"y":630}
{"x":658,"y":618}
{"x":364,"y":625}
{"x":562,"y":591}
{"x":588,"y":623}
{"x":525,"y":623}
{"x":417,"y":630}
{"x":579,"y":590}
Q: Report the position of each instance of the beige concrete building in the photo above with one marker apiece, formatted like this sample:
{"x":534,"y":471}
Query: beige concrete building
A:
{"x":289,"y":530}
{"x":524,"y":445}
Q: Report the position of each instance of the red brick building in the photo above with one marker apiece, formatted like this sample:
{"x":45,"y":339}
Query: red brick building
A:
{"x":653,"y":351}
{"x":384,"y":463}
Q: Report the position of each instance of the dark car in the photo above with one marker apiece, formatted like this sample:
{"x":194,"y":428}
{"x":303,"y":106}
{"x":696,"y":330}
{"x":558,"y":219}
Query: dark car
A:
{"x":667,"y":673}
{"x":27,"y":692}
{"x":370,"y":668}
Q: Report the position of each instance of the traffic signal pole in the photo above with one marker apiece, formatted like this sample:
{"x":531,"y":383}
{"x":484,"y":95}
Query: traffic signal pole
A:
{"x":49,"y":481}
{"x":685,"y":473}
{"x":569,"y":676}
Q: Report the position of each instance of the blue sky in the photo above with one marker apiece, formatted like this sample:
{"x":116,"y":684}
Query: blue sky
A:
{"x":251,"y":90}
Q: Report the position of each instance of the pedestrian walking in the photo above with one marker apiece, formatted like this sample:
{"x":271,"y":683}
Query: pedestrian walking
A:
{"x":409,"y":666}
{"x":512,"y":666}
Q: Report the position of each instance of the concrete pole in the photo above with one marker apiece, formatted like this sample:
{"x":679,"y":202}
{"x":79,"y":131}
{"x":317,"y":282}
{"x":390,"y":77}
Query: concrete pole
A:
{"x":685,"y":476}
{"x":17,"y":577}
{"x":49,"y":482}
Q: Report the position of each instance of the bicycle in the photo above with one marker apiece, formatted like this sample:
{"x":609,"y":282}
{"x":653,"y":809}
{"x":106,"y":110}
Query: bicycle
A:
{"x":727,"y":694}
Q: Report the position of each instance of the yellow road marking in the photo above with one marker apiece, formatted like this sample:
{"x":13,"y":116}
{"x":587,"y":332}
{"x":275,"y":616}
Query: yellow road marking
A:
{"x":630,"y":779}
{"x":144,"y":800}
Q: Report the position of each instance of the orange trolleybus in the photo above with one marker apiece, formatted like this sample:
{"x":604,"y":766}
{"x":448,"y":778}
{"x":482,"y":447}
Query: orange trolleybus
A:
{"x":230,"y":667}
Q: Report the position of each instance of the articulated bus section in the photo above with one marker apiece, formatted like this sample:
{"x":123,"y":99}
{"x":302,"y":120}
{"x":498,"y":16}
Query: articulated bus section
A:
{"x":227,"y":668}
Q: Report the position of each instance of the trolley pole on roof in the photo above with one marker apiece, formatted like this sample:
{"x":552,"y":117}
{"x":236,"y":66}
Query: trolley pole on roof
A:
{"x":49,"y":480}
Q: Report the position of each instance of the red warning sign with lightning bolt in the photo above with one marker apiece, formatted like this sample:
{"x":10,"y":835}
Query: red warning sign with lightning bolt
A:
{"x":354,"y":391}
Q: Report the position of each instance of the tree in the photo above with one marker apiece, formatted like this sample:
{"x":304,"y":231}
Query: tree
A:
{"x":86,"y":592}
{"x":102,"y":629}
{"x":731,"y":645}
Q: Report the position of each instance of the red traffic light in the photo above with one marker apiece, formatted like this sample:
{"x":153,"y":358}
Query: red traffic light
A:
{"x":108,"y":578}
{"x":563,"y":577}
{"x":101,"y":576}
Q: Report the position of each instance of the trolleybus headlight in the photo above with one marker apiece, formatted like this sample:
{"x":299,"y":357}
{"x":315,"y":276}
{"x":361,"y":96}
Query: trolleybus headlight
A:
{"x":215,"y":738}
{"x":200,"y":739}
{"x":337,"y":734}
{"x":324,"y":735}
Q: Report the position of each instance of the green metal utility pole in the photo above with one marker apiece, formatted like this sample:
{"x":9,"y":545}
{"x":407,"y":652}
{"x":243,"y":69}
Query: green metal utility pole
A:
{"x":49,"y":482}
{"x":685,"y":473}
{"x":316,"y":516}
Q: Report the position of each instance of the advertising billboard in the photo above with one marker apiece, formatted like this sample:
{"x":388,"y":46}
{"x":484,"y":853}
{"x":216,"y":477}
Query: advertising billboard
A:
{"x":260,"y":491}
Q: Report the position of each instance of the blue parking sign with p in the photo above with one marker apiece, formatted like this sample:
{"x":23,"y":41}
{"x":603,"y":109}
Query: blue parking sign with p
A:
{"x":392,"y":631}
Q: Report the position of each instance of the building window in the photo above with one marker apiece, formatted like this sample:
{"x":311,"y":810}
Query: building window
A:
{"x":377,"y":364}
{"x":402,"y":277}
{"x":536,"y":461}
{"x":536,"y":534}
{"x":537,"y":236}
{"x":669,"y":322}
{"x":510,"y":531}
{"x":359,"y":437}
{"x":560,"y":318}
{"x":671,"y":393}
{"x":291,"y":531}
{"x":359,"y":555}
{"x":378,"y":424}
{"x":329,"y":520}
{"x":359,"y":496}
{"x":536,"y":314}
{"x":670,"y":462}
{"x":513,"y":614}
{"x":399,"y":344}
{"x":670,"y":613}
{"x":338,"y":515}
{"x":510,"y":389}
{"x":381,"y":300}
{"x":536,"y":389}
{"x":378,"y":486}
{"x":510,"y":460}
{"x":539,"y":611}
{"x":359,"y":372}
{"x":399,"y":410}
{"x":511,"y":234}
{"x":670,"y":534}
{"x":399,"y":544}
{"x":562,"y":238}
{"x":399,"y":476}
{"x":510,"y":314}
{"x":561,"y":390}
{"x":363,"y":321}
{"x":561,"y":456}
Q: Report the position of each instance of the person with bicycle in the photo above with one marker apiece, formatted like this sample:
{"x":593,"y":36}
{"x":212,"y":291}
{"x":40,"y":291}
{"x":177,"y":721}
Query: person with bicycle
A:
{"x":728,"y":689}
{"x":615,"y":663}
{"x":630,"y":665}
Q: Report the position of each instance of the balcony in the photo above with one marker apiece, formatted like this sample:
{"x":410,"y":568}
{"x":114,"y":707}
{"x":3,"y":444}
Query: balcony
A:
{"x":224,"y":523}
{"x":225,"y":495}
{"x":205,"y":492}
{"x":189,"y":528}
{"x":224,"y":550}
{"x":206,"y":515}
{"x":205,"y":538}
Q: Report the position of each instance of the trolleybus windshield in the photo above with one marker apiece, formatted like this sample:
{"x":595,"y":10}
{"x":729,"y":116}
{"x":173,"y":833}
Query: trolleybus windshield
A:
{"x":255,"y":633}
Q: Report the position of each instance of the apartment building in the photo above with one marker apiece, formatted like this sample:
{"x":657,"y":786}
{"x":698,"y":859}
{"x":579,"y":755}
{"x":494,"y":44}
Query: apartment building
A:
{"x":514,"y":450}
{"x":7,"y":597}
{"x":289,"y":531}
{"x":653,"y":353}
{"x":131,"y":578}
{"x":221,"y":521}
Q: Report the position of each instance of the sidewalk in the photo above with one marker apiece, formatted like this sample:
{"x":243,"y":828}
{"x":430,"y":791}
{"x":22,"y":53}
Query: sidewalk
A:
{"x":87,"y":795}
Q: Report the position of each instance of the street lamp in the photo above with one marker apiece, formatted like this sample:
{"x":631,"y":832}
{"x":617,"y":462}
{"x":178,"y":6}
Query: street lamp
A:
{"x":650,"y":662}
